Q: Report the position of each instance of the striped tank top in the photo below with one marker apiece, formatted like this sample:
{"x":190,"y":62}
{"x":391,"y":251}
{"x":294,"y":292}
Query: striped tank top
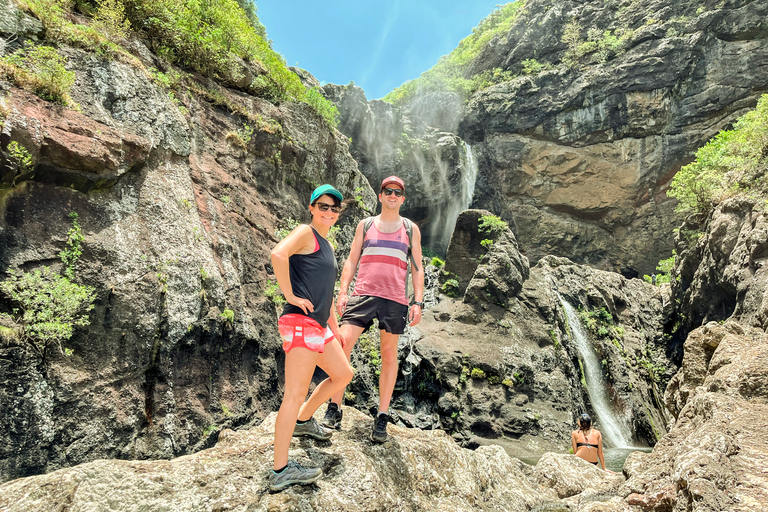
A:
{"x":383,"y":265}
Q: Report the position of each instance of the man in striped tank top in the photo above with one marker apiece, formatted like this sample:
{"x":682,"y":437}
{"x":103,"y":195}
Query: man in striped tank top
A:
{"x":379,"y":256}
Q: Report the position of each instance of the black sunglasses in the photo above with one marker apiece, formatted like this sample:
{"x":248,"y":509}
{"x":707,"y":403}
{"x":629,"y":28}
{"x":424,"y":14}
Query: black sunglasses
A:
{"x":324,"y":207}
{"x":389,"y":191}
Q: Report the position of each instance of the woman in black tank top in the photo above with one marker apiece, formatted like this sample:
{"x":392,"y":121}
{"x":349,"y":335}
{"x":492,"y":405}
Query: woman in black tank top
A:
{"x":306,"y":269}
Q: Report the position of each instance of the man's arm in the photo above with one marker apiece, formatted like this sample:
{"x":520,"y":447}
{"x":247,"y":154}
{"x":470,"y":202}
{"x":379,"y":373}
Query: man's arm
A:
{"x":418,"y":277}
{"x":350,"y":268}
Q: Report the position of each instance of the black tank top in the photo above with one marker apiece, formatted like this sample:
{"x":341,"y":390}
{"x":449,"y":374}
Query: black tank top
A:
{"x":313,"y":277}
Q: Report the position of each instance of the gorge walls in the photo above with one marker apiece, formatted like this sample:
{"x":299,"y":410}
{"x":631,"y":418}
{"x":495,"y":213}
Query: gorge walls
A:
{"x":577,"y":154}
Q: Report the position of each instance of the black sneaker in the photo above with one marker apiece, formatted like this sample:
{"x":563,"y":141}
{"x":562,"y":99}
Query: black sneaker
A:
{"x":379,"y":434}
{"x":332,"y":417}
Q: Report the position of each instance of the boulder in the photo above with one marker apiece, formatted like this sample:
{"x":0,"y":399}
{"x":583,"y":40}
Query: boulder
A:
{"x":413,"y":470}
{"x":569,"y":475}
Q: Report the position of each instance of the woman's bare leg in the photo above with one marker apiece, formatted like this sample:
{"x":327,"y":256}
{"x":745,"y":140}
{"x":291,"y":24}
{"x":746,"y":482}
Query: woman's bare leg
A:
{"x":335,"y":363}
{"x":299,"y":366}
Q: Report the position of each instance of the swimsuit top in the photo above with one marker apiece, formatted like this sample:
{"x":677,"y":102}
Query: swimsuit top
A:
{"x":587,"y":443}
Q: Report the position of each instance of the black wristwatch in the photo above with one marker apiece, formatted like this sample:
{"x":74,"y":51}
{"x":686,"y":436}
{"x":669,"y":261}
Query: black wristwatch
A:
{"x":417,"y":303}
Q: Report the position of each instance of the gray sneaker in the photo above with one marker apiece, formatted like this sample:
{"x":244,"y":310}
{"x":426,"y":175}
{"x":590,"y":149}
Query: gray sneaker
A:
{"x":295,"y":473}
{"x":332,"y":417}
{"x":379,"y":434}
{"x":312,"y":429}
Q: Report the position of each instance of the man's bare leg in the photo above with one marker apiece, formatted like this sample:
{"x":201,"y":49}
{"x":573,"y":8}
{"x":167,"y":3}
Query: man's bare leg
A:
{"x":388,"y":375}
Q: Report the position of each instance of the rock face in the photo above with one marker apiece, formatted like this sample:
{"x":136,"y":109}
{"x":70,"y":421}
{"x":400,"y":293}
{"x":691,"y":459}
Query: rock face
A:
{"x":714,"y":457}
{"x":499,"y":360}
{"x":580,"y":157}
{"x":415,"y":470}
{"x":178,"y":219}
{"x":577,"y":158}
{"x":721,"y":267}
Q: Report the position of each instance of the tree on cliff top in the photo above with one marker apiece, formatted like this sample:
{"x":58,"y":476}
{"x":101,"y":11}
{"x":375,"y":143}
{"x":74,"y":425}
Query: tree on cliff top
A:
{"x":734,"y":162}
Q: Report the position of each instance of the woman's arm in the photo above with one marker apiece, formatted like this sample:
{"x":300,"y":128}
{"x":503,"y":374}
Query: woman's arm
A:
{"x":299,"y":241}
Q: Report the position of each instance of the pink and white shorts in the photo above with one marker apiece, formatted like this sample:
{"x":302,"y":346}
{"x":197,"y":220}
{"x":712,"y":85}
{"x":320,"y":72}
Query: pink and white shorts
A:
{"x":301,"y":331}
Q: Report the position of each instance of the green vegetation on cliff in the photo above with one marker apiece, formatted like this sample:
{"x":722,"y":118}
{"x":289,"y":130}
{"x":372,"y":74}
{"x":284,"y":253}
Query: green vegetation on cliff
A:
{"x":734,"y":162}
{"x":450,"y":72}
{"x":45,"y":307}
{"x":215,"y":38}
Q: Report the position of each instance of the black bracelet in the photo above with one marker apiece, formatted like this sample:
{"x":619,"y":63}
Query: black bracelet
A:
{"x":417,"y":303}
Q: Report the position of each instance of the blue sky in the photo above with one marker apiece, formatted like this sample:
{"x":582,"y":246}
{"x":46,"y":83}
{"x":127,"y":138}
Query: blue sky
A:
{"x":378,"y":45}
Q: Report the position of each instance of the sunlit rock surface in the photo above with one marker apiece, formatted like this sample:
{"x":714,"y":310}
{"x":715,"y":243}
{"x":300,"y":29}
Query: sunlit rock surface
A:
{"x":413,"y":471}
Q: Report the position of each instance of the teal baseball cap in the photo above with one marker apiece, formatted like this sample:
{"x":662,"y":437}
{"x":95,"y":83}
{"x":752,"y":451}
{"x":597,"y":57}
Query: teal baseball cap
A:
{"x":325,"y":189}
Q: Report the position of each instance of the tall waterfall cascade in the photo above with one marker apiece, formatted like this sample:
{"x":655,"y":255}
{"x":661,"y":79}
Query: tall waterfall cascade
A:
{"x":460,"y":197}
{"x":616,"y":432}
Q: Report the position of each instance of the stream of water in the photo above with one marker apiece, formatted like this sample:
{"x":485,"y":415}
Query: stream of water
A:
{"x":459,"y":201}
{"x":616,"y":433}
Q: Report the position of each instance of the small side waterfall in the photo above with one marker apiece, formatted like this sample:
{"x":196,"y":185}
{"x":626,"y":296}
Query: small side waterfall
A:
{"x":616,"y":433}
{"x":459,"y":201}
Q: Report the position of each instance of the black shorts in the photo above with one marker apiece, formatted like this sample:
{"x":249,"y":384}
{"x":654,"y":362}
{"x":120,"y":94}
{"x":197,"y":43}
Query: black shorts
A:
{"x":362,"y":309}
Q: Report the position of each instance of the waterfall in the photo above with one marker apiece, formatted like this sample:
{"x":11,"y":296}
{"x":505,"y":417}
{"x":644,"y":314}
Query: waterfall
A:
{"x":458,"y":200}
{"x":613,"y":428}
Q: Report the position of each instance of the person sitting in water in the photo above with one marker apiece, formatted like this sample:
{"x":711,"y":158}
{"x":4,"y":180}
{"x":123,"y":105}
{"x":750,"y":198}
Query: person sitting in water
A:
{"x":587,"y":442}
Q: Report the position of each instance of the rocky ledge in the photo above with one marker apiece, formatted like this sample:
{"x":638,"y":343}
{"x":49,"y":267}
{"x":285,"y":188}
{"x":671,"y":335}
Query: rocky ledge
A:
{"x":414,"y":470}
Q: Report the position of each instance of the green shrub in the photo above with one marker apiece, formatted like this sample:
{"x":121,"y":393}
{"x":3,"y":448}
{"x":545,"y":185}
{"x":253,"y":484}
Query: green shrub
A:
{"x":21,"y":157}
{"x":110,"y":20}
{"x":322,"y":106}
{"x":227,"y":316}
{"x":492,"y":224}
{"x":437,"y":262}
{"x":250,"y":10}
{"x":477,"y":373}
{"x":283,"y":232}
{"x":733,"y":162}
{"x":42,"y":70}
{"x":534,"y":67}
{"x":450,"y":288}
{"x":664,"y":269}
{"x":72,"y":252}
{"x":273,"y":293}
{"x":48,"y":306}
{"x":600,"y":45}
{"x":241,"y":137}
